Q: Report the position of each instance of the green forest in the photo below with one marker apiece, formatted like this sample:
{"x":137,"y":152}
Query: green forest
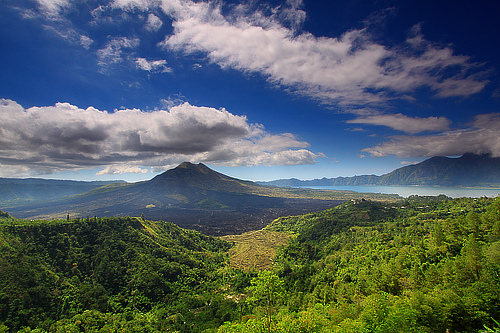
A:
{"x":422,"y":264}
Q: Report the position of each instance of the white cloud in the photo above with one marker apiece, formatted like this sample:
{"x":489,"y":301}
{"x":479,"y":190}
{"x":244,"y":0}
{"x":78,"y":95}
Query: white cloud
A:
{"x":293,"y":14}
{"x":121,"y":169}
{"x":284,"y":157}
{"x":52,"y":7}
{"x":153,"y":66}
{"x":480,"y":138}
{"x":71,"y":35}
{"x":85,"y":41}
{"x":357,"y":129}
{"x":153,"y":23}
{"x":112,"y":53}
{"x":131,"y":4}
{"x":172,"y":101}
{"x":65,"y":137}
{"x":351,"y":69}
{"x":404,"y":123}
{"x":490,"y":121}
{"x":18,"y":170}
{"x":262,"y":149}
{"x":408,"y":162}
{"x":328,"y":69}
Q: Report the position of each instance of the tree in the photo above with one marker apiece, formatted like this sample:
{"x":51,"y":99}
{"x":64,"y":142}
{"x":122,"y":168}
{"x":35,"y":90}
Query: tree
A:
{"x":268,"y":289}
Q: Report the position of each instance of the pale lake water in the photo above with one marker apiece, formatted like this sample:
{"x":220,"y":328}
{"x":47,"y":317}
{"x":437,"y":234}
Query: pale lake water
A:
{"x":406,"y":191}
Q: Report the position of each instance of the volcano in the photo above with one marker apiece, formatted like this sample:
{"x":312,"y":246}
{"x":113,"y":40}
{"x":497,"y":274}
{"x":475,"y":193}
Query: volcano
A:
{"x":191,"y":195}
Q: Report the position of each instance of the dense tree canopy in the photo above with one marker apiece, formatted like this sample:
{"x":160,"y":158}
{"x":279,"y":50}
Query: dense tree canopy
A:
{"x":424,"y":264}
{"x":89,"y":274}
{"x":421,"y":265}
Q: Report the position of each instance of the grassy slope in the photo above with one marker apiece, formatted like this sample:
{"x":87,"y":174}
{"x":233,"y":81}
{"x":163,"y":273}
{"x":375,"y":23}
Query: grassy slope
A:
{"x":255,"y":250}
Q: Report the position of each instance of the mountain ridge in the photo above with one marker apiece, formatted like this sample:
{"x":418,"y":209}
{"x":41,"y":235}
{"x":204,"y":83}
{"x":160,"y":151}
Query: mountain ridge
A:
{"x":24,"y":190}
{"x":468,"y":170}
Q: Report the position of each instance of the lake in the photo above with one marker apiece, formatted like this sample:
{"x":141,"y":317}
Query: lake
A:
{"x":406,"y":191}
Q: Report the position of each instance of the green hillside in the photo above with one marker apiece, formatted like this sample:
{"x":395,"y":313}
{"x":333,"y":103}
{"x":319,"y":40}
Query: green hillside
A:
{"x":109,"y":274}
{"x":422,"y":264}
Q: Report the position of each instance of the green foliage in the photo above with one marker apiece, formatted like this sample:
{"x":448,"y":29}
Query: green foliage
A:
{"x":423,"y":264}
{"x":267,"y":290}
{"x":210,"y":203}
{"x":107,"y":274}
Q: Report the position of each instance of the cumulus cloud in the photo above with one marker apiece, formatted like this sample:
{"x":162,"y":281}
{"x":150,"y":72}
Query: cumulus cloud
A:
{"x":404,"y":123}
{"x":284,"y":157}
{"x":65,"y":137}
{"x":480,"y":138}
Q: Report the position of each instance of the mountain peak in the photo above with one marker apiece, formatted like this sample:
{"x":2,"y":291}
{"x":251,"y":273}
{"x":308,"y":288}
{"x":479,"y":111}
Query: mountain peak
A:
{"x":189,"y":175}
{"x":198,"y":175}
{"x":192,"y":166}
{"x":188,"y":170}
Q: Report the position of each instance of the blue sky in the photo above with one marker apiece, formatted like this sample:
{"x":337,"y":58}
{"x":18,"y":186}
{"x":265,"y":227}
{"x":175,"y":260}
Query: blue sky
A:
{"x":125,"y":89}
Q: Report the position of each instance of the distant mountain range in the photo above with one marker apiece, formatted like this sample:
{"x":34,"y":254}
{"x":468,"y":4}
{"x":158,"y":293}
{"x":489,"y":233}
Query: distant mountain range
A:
{"x":468,"y":170}
{"x":22,"y":190}
{"x":190,"y":195}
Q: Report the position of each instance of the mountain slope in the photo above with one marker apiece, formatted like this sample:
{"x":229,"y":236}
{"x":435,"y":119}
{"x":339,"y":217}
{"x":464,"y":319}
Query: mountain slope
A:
{"x":201,"y":176}
{"x":468,"y":170}
{"x":52,"y":271}
{"x":16,"y":191}
{"x":192,"y":196}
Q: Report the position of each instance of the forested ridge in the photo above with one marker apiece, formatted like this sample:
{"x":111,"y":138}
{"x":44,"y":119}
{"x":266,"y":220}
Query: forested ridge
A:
{"x":423,"y":264}
{"x":109,"y":275}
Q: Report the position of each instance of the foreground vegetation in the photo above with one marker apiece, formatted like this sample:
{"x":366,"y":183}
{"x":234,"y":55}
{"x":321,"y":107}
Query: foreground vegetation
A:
{"x":424,"y":264}
{"x":110,"y":274}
